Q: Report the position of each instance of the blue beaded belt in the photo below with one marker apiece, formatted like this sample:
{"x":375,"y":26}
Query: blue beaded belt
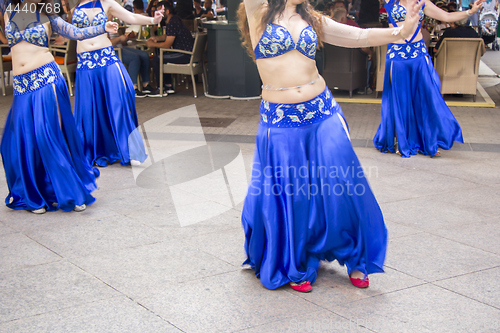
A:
{"x":406,"y":51}
{"x":97,"y":58}
{"x":298,"y":114}
{"x":36,"y":79}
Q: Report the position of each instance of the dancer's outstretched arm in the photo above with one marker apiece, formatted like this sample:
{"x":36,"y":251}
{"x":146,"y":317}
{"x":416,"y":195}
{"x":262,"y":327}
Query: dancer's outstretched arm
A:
{"x":346,"y":36}
{"x":118,"y":11}
{"x":67,"y":30}
{"x":251,"y":7}
{"x":437,"y":13}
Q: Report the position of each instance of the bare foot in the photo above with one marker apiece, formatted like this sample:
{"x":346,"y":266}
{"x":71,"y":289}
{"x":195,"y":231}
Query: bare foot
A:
{"x":357,"y":275}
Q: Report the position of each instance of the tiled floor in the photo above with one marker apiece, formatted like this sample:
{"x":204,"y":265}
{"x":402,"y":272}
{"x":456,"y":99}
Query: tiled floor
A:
{"x":160,"y":250}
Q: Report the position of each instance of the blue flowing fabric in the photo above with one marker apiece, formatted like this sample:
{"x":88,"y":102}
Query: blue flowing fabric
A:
{"x":41,"y":150}
{"x":308,"y":199}
{"x":105,"y":109}
{"x":413,"y":110}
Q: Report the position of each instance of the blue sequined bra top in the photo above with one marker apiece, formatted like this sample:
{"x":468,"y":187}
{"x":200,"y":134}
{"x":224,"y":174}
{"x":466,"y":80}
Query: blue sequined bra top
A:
{"x":397,"y":13}
{"x":277,"y":40}
{"x":34,"y":32}
{"x":80,"y":18}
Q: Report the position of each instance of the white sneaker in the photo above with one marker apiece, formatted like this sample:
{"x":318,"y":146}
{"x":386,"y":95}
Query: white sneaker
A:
{"x":135,"y":163}
{"x":39,"y":211}
{"x":80,"y":208}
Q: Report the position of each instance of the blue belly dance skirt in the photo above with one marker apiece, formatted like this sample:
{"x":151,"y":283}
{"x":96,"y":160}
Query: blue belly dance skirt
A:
{"x":41,"y":149}
{"x":308,"y":199}
{"x":413,"y":109}
{"x":105,"y":109}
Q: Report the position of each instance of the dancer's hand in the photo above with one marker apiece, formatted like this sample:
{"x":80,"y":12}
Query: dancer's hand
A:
{"x":158,"y":15}
{"x":111,"y":27}
{"x":412,"y":18}
{"x":476,"y":6}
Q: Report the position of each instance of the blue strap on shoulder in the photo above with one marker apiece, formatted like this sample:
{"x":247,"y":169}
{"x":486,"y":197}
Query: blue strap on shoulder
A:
{"x":388,"y":7}
{"x":92,"y":4}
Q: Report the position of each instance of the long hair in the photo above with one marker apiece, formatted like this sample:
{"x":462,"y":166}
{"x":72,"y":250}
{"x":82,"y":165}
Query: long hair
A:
{"x":272,"y":10}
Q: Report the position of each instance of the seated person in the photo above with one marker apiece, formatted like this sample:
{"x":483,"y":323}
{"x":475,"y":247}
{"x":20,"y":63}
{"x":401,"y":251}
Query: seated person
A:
{"x":341,"y":4}
{"x":439,"y":28}
{"x":138,"y":8}
{"x":184,"y":9}
{"x":222,"y":8}
{"x":198,"y":10}
{"x":209,"y":12}
{"x":452,"y":6}
{"x":457,"y":29}
{"x":177,"y":36}
{"x":137,"y":61}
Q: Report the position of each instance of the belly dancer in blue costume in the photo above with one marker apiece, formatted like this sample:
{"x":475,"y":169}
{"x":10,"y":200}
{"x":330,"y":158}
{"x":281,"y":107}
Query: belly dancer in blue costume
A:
{"x":105,"y":97}
{"x":41,"y":149}
{"x":308,"y":199}
{"x":413,"y":111}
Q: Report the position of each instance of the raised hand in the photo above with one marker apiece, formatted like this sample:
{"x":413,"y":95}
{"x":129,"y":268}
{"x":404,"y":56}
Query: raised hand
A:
{"x":111,"y":27}
{"x":159,"y":15}
{"x":412,"y":17}
{"x":476,"y":6}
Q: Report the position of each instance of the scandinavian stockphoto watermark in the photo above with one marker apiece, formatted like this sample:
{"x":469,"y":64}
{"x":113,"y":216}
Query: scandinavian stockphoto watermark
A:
{"x":207,"y":178}
{"x":310,"y":179}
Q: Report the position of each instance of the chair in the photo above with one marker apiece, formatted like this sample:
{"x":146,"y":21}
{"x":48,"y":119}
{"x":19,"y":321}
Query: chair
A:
{"x":118,"y":51}
{"x":457,"y":63}
{"x":68,"y":62}
{"x":380,"y":52}
{"x":189,"y":24}
{"x":196,"y":64}
{"x":5,"y":66}
{"x":344,"y":68}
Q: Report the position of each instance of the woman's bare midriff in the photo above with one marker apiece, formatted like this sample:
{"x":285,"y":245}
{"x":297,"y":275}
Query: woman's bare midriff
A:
{"x":94,"y":43}
{"x":290,"y":70}
{"x":27,"y":57}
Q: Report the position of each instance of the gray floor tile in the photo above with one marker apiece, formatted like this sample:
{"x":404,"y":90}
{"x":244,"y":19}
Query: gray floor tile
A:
{"x":47,"y":288}
{"x":484,"y":199}
{"x":146,"y":270}
{"x":424,"y":308}
{"x":482,"y":286}
{"x":432,"y":258}
{"x":5,"y":229}
{"x":82,"y":238}
{"x":333,"y":286}
{"x":396,"y":230}
{"x":319,"y":321}
{"x":226,"y":245}
{"x":19,"y":251}
{"x":481,"y":235}
{"x":430,"y":213}
{"x":237,"y":301}
{"x":115,"y":315}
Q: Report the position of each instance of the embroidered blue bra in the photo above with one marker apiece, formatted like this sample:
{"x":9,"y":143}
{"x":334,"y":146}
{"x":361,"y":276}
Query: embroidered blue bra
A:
{"x":80,"y":18}
{"x":276,"y":40}
{"x":397,"y":13}
{"x":34,"y":32}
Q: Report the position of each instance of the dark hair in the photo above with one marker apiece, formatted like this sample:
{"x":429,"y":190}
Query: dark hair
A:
{"x":167,"y":5}
{"x":138,"y":4}
{"x":197,"y":1}
{"x":272,"y":10}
